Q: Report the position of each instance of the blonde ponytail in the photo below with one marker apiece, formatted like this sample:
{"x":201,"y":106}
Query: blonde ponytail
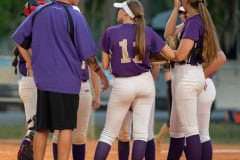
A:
{"x":137,"y":9}
{"x":210,"y":39}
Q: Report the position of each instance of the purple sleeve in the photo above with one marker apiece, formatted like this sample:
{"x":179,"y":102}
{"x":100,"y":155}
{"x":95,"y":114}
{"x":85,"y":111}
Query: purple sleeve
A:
{"x":104,"y":42}
{"x":84,"y":42}
{"x":157,"y":43}
{"x":192,"y":31}
{"x":23,"y":31}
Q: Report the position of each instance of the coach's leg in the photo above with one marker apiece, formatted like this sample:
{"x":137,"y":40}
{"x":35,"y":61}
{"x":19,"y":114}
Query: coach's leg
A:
{"x":39,"y":144}
{"x":64,"y":144}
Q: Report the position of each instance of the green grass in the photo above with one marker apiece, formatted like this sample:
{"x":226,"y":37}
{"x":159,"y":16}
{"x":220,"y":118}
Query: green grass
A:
{"x":218,"y":132}
{"x":12,"y":131}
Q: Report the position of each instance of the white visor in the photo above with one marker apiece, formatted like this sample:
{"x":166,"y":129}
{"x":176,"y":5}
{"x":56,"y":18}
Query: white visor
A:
{"x":181,"y":9}
{"x":76,"y":8}
{"x":125,"y":7}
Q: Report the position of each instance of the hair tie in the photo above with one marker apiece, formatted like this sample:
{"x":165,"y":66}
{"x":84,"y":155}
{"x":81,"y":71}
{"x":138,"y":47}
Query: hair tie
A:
{"x":138,"y":17}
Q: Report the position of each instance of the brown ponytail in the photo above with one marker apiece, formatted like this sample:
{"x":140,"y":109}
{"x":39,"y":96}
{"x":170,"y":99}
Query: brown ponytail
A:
{"x":137,"y":9}
{"x":15,"y":59}
{"x":210,"y":39}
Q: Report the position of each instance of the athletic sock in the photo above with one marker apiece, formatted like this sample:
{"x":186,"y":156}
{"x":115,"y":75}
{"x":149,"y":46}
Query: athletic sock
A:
{"x":193,"y":148}
{"x":150,"y":152}
{"x":78,"y":151}
{"x":123,"y":150}
{"x":206,"y":151}
{"x":102,"y":151}
{"x":54,"y":149}
{"x":139,"y":150}
{"x":176,"y":148}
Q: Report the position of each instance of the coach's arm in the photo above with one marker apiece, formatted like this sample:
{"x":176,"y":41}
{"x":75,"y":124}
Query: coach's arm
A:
{"x":94,"y":66}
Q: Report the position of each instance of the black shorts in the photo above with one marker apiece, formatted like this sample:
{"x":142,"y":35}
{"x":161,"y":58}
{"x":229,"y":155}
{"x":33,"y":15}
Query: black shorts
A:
{"x":56,"y":111}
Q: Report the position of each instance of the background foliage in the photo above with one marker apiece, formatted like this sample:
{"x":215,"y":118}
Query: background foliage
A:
{"x":100,"y":14}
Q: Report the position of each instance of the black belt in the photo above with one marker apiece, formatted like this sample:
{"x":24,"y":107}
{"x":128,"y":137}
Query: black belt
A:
{"x":184,"y":62}
{"x":84,"y":80}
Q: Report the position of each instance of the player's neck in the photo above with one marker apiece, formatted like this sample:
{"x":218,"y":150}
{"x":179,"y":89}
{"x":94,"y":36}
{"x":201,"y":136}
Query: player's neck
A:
{"x":128,"y":21}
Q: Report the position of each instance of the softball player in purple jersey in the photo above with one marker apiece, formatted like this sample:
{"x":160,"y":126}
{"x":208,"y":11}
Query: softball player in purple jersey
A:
{"x":171,"y":30}
{"x":198,"y":43}
{"x":27,"y":90}
{"x":86,"y":103}
{"x":56,"y":59}
{"x":127,"y":47}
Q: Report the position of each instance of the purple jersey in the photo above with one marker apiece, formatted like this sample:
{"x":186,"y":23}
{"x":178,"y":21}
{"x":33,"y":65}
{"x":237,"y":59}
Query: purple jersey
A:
{"x":22,"y":68}
{"x":56,"y":61}
{"x":119,"y":42}
{"x":193,"y":29}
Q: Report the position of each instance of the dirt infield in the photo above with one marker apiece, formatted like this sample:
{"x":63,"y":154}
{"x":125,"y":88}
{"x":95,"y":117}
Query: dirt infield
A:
{"x":9,"y":148}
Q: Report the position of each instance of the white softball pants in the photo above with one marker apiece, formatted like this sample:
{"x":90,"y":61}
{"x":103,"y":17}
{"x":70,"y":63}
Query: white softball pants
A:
{"x":126,"y":129}
{"x":187,"y":83}
{"x":138,"y":92}
{"x":79,"y":134}
{"x":28,"y":94}
{"x":205,"y":101}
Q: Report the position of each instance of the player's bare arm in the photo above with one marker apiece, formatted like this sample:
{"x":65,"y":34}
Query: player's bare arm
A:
{"x":96,"y":91}
{"x":105,"y":60}
{"x":26,"y":57}
{"x":211,"y":68}
{"x":93,"y":64}
{"x":168,"y":52}
{"x":184,"y":49}
{"x":171,"y":24}
{"x":155,"y":71}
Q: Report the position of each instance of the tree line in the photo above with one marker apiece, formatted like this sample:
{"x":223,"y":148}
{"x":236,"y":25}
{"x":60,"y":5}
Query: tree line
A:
{"x":100,"y":14}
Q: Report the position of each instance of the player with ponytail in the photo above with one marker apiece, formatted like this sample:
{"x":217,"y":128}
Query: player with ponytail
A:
{"x":125,"y":49}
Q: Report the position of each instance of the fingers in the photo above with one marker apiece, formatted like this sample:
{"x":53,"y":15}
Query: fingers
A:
{"x":177,"y":3}
{"x":95,"y":104}
{"x":105,"y":86}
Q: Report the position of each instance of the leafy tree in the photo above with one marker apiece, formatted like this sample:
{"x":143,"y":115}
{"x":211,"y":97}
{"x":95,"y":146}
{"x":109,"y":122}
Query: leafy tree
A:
{"x":100,"y":14}
{"x":10,"y":11}
{"x":226,"y":17}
